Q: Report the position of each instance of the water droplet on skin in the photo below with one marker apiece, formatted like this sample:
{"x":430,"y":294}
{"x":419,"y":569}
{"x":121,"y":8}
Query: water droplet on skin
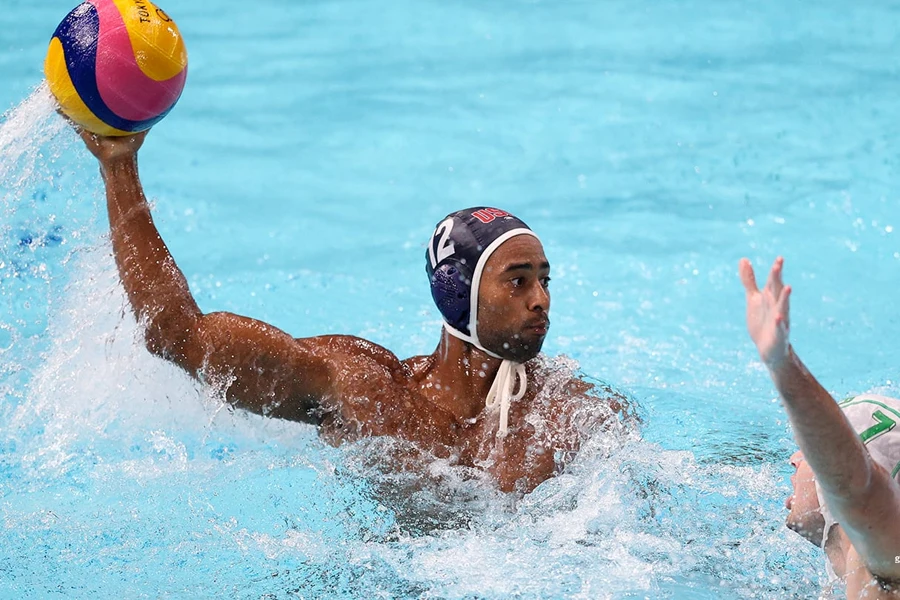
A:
{"x":506,"y":345}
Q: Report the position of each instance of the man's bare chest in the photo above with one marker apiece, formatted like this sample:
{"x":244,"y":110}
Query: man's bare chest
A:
{"x":375,"y":404}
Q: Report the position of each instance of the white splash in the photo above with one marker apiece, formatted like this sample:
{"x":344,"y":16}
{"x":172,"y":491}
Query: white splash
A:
{"x":24,"y":133}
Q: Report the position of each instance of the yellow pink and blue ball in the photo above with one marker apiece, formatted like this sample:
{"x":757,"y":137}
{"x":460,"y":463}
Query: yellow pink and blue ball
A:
{"x":116,"y":67}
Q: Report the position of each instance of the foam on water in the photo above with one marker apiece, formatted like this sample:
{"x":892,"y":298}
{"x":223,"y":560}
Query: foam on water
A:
{"x":29,"y":232}
{"x":25,"y":131}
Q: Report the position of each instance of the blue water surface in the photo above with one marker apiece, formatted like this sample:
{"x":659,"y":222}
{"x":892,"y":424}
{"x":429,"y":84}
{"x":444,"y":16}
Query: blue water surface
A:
{"x":650,"y":144}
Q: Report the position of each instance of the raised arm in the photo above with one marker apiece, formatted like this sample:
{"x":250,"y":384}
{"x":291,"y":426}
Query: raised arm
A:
{"x":859,"y":492}
{"x":156,"y":288}
{"x":261,"y":368}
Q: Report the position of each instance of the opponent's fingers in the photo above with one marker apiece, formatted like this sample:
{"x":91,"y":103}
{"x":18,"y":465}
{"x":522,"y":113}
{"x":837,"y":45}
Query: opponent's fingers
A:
{"x":748,"y":278}
{"x":784,"y":305}
{"x":775,"y":283}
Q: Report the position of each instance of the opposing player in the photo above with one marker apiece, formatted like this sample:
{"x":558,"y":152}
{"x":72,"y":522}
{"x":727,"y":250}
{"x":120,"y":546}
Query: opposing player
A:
{"x":482,"y":398}
{"x":847,"y":481}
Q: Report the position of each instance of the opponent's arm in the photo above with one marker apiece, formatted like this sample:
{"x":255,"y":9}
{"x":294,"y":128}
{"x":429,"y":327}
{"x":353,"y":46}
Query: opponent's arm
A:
{"x":262,"y":368}
{"x":859,"y":492}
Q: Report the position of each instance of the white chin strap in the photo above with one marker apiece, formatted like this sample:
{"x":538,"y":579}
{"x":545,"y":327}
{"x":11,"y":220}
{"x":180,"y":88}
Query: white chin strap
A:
{"x":503,"y":391}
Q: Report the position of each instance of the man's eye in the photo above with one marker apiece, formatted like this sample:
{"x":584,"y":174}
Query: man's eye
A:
{"x":517,"y":281}
{"x":545,"y":282}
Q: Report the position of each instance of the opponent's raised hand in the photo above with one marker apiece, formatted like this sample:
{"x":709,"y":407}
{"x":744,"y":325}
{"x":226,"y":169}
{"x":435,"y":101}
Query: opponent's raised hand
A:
{"x":768,"y":313}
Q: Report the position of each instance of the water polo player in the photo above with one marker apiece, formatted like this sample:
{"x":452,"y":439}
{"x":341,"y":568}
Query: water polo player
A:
{"x":468,"y":400}
{"x":847,"y":482}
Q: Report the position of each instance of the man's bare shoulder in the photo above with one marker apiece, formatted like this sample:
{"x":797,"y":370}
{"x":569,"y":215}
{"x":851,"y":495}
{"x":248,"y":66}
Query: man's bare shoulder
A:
{"x":360,"y":354}
{"x":373,"y":392}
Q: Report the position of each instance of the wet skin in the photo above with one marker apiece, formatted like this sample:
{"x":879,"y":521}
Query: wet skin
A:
{"x":805,"y":516}
{"x":348,"y":386}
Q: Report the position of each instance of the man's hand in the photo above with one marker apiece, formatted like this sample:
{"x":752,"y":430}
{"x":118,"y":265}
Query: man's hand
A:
{"x":110,"y":149}
{"x":768,"y":313}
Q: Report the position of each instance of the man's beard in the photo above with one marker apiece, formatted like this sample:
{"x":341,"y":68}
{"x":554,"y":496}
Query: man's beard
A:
{"x":510,"y":346}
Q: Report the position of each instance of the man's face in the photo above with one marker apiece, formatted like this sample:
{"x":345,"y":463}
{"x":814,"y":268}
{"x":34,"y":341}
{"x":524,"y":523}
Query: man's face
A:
{"x":513,"y":299}
{"x":805,"y":516}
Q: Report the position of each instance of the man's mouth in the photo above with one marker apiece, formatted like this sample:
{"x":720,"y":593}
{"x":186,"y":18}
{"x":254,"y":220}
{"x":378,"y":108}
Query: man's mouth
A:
{"x":789,"y":503}
{"x":539,"y":327}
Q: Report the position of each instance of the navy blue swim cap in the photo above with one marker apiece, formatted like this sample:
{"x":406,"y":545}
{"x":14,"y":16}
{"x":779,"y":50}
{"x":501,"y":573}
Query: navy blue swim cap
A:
{"x":459,"y":248}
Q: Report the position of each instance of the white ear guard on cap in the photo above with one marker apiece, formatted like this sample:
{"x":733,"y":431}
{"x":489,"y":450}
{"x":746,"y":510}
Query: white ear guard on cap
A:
{"x":472,"y":338}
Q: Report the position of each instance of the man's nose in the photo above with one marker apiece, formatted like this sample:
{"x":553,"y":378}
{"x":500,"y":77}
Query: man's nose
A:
{"x":540,"y":298}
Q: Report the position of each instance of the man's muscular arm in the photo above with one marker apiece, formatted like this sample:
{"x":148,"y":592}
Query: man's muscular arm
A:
{"x":262,"y":368}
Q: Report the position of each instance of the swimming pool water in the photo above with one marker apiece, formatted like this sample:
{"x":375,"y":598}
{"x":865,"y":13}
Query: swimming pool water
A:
{"x":650,"y":144}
